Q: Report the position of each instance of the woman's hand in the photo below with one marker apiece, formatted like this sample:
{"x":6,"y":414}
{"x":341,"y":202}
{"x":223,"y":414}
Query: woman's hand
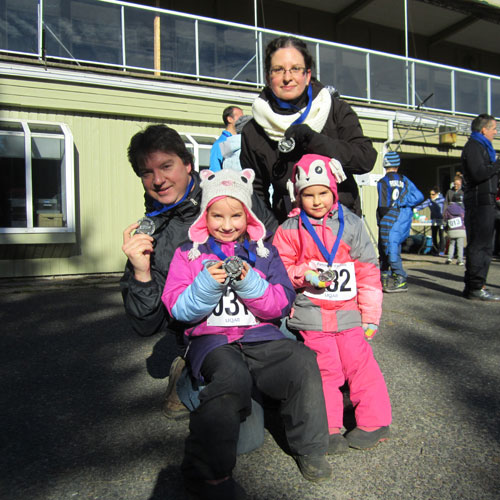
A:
{"x":138,"y":248}
{"x":301,"y":134}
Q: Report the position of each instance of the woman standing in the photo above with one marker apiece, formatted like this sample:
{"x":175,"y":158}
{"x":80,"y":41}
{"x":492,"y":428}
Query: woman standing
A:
{"x":294,"y":105}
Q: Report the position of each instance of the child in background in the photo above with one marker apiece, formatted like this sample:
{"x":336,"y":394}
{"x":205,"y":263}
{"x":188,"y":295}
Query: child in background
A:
{"x":454,"y":220}
{"x":436,"y":204}
{"x":232,"y":289}
{"x":333,"y":266}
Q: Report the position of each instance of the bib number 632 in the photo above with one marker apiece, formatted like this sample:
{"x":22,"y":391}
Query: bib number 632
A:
{"x":343,"y":285}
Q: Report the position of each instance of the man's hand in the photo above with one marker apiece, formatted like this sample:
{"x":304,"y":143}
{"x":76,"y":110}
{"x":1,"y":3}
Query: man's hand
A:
{"x":138,"y":249}
{"x":217,"y":272}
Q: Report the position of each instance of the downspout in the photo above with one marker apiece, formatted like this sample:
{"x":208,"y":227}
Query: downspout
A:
{"x":390,"y":136}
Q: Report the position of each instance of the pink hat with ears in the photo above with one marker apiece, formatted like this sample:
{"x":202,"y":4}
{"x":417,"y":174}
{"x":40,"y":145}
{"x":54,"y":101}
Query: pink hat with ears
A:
{"x":314,"y":170}
{"x":217,"y":185}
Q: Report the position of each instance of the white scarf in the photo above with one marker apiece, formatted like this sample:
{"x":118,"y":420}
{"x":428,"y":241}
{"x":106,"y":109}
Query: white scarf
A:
{"x":275,"y":125}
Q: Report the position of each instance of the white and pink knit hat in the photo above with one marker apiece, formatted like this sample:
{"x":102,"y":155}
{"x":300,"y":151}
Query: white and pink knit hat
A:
{"x":217,"y":185}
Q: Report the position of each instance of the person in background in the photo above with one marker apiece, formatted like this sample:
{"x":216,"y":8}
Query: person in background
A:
{"x":336,"y":315}
{"x":294,"y":115}
{"x":481,"y":169}
{"x":454,"y":220}
{"x":436,"y":204}
{"x":231,"y":147}
{"x":230,"y":288}
{"x":456,"y":188}
{"x":397,"y":196}
{"x":230,"y":116}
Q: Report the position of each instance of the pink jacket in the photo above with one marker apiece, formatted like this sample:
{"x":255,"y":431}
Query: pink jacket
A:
{"x":297,"y":249}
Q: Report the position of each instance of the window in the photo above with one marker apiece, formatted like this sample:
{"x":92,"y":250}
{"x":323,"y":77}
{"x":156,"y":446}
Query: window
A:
{"x":199,"y":145}
{"x":36,"y":178}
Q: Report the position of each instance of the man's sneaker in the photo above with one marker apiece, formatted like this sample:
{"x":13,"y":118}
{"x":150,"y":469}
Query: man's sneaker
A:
{"x":172,"y":407}
{"x":460,"y":263}
{"x":314,"y":468}
{"x":398,"y":285}
{"x":337,"y":444}
{"x":364,"y":440}
{"x":482,"y":294}
{"x":448,"y":261}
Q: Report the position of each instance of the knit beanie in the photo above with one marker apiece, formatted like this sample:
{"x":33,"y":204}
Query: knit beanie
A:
{"x":314,"y":170}
{"x":218,"y":185}
{"x":391,"y":160}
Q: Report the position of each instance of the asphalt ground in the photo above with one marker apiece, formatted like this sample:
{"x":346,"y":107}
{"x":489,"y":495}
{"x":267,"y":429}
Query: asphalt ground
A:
{"x":81,"y":400}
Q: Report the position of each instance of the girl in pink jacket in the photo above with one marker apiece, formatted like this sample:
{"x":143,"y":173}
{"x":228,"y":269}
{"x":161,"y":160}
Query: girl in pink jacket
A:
{"x":333,"y":267}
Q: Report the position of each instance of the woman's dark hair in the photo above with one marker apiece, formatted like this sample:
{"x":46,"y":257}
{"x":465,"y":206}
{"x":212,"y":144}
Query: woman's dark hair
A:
{"x":156,"y":138}
{"x":283,"y":42}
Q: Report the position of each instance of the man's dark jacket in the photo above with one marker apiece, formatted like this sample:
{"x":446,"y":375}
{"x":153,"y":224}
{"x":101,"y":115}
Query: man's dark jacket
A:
{"x":480,"y":175}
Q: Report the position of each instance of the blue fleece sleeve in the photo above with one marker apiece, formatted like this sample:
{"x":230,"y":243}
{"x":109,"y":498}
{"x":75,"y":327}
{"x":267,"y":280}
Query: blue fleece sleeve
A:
{"x":252,"y":287}
{"x":199,"y":299}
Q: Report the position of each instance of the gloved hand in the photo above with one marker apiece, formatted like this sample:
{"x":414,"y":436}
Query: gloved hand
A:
{"x":337,"y":170}
{"x":370,"y":330}
{"x":301,"y":133}
{"x":313,"y":278}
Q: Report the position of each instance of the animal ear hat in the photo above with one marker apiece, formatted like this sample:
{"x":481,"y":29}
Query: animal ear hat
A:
{"x":314,"y":170}
{"x":217,"y":185}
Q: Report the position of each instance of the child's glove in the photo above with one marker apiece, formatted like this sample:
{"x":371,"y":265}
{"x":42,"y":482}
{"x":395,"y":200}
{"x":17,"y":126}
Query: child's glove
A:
{"x":313,"y":278}
{"x":370,"y":330}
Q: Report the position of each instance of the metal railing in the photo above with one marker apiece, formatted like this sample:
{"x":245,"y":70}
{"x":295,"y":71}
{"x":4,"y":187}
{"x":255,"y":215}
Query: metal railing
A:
{"x":140,"y":38}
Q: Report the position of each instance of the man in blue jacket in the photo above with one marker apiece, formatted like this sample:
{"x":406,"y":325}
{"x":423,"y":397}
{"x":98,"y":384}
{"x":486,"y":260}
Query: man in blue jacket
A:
{"x":230,"y":116}
{"x":397,"y":195}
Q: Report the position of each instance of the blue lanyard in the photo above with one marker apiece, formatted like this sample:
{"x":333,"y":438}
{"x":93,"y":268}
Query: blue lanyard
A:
{"x":328,"y":256}
{"x":287,"y":105}
{"x":217,"y":250}
{"x":161,"y":208}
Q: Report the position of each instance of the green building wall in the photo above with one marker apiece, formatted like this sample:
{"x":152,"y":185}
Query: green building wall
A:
{"x":109,"y":196}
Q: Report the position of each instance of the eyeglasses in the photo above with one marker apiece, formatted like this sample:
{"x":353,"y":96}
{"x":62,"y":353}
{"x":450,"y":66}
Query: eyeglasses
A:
{"x":280,"y":71}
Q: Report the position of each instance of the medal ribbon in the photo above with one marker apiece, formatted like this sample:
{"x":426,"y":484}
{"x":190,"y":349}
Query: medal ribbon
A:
{"x":287,"y":105}
{"x":328,"y":256}
{"x":217,"y":250}
{"x":161,"y":208}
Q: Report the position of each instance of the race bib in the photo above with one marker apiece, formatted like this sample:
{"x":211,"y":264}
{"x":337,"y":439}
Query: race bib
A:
{"x":230,"y":311}
{"x":454,"y":223}
{"x":343,"y":286}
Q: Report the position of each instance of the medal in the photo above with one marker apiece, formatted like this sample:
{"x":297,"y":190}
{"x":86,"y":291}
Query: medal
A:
{"x":327,"y":275}
{"x":286,"y":145}
{"x":146,"y":226}
{"x":233,"y":266}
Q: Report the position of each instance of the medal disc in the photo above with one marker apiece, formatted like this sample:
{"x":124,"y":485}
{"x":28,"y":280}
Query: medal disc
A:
{"x":233,"y":266}
{"x":146,"y":226}
{"x":286,"y":145}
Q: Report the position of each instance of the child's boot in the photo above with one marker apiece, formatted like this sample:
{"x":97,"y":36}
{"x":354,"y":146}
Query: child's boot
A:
{"x":364,"y":440}
{"x":337,"y":444}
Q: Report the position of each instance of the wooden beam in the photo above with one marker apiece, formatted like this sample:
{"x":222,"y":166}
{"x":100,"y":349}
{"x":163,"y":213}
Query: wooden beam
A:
{"x":451,"y":30}
{"x":350,"y":10}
